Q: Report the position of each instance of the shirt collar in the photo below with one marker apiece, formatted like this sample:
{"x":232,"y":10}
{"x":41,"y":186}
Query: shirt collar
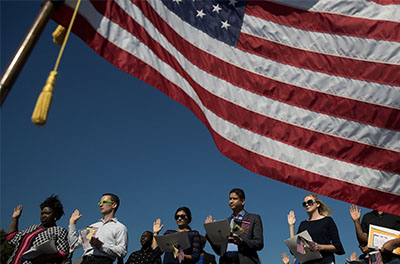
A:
{"x":240,"y":215}
{"x":109,"y":220}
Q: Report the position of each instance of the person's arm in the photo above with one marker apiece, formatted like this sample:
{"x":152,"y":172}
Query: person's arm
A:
{"x":291,"y":218}
{"x":217,"y":248}
{"x":257,"y":241}
{"x":336,"y":246}
{"x":355,"y":214}
{"x":285,"y":258}
{"x":74,"y":239}
{"x":196,"y":248}
{"x":157,"y":227}
{"x":15,"y":219}
{"x":388,"y":246}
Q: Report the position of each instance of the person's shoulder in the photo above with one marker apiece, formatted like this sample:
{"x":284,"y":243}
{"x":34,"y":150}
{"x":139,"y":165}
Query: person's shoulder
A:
{"x":134,"y":253}
{"x":194,"y":232}
{"x":60,"y":228}
{"x":169,"y":231}
{"x":328,"y":219}
{"x":115,"y":220}
{"x":247,"y":214}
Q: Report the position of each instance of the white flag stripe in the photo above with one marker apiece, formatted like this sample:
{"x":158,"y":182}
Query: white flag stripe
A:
{"x":355,"y":8}
{"x":326,"y":124}
{"x":337,"y":45}
{"x":348,"y":88}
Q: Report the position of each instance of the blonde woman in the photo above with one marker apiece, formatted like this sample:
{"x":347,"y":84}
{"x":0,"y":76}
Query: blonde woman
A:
{"x":321,"y":228}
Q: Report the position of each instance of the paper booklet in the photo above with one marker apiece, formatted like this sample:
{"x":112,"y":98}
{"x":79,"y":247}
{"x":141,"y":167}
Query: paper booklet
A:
{"x":378,"y":235}
{"x":218,"y":231}
{"x":168,"y":243}
{"x":86,"y":234}
{"x":301,"y":246}
{"x":48,"y":247}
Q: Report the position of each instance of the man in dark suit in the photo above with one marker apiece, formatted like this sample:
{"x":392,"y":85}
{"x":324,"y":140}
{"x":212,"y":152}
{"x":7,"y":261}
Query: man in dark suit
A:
{"x":241,"y":248}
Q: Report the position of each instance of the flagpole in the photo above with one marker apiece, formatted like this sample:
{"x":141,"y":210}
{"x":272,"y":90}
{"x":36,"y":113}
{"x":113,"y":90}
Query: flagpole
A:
{"x":21,"y":55}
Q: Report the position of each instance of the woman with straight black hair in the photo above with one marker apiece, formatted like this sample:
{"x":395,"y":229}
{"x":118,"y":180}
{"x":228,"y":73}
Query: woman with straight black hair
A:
{"x":183,"y":217}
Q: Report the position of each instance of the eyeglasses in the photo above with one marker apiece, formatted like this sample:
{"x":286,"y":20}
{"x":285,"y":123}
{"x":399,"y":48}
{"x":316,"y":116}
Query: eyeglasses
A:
{"x":309,"y":203}
{"x":180,"y":216}
{"x":105,"y":201}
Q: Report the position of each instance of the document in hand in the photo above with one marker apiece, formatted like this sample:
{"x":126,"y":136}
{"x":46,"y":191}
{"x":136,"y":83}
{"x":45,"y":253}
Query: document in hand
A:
{"x":218,"y":231}
{"x":86,"y":234}
{"x":308,"y":255}
{"x":48,"y":247}
{"x":378,"y":235}
{"x":177,"y":240}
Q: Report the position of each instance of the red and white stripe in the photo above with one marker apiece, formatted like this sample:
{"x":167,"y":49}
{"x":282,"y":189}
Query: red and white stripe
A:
{"x":310,"y":96}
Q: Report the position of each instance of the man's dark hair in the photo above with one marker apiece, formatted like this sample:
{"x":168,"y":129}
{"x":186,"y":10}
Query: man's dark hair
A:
{"x":54,"y":203}
{"x":114,"y":198}
{"x":239,"y":193}
{"x":187,"y":212}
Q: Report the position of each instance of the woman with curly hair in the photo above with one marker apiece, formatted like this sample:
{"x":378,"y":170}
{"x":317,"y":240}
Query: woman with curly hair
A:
{"x":38,"y":234}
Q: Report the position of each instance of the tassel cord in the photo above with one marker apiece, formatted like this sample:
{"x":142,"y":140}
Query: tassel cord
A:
{"x":67,"y":35}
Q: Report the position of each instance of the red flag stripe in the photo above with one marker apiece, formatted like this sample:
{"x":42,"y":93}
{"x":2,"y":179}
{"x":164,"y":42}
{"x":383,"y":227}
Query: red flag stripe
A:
{"x":323,"y":22}
{"x":345,"y":67}
{"x":386,"y":2}
{"x":304,"y":98}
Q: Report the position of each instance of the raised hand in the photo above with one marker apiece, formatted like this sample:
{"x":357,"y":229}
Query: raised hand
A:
{"x":355,"y":213}
{"x":285,"y":258}
{"x":157,"y":226}
{"x":17,"y":212}
{"x":209,"y":219}
{"x":74,"y":217}
{"x":291,"y":218}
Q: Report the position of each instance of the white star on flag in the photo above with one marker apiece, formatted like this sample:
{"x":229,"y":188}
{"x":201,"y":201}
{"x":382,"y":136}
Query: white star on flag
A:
{"x":231,"y":2}
{"x":216,"y":8}
{"x":200,"y":13}
{"x":225,"y":24}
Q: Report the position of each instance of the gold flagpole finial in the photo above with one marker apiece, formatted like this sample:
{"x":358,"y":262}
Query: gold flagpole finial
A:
{"x":59,"y":35}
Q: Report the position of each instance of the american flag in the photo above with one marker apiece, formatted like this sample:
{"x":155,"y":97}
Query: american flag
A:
{"x":300,"y":245}
{"x":303,"y":92}
{"x":375,"y":258}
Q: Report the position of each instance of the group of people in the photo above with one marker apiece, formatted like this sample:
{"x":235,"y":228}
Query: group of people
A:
{"x":325,"y":235}
{"x":106,"y":240}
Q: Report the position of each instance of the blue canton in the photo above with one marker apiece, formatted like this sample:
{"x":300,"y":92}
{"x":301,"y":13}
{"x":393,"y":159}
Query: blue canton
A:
{"x":221,"y":19}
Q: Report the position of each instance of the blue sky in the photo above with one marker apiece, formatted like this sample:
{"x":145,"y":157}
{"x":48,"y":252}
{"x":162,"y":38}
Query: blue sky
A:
{"x":109,"y":132}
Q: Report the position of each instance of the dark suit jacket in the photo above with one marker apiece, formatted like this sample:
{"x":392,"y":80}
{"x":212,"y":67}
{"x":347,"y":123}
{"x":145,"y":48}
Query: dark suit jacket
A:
{"x":253,"y":240}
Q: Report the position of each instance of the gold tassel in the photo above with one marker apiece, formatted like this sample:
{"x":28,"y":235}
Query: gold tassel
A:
{"x":59,"y":35}
{"x":39,"y":116}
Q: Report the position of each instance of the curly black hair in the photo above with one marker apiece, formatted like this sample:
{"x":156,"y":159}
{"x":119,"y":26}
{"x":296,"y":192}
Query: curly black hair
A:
{"x":54,"y":203}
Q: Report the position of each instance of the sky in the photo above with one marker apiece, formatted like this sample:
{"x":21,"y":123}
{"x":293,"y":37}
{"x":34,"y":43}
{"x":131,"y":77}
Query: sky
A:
{"x":109,"y":132}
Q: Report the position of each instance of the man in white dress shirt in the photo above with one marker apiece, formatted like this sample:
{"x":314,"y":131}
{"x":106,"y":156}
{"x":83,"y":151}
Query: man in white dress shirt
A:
{"x":103,"y":241}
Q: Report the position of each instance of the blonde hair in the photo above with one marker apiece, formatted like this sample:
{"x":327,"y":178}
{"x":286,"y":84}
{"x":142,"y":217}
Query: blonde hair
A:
{"x":323,"y":209}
